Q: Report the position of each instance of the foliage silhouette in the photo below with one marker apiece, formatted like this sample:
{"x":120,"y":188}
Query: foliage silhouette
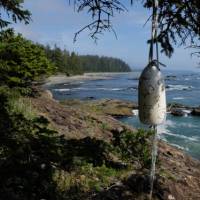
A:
{"x":14,"y":10}
{"x":178,"y":20}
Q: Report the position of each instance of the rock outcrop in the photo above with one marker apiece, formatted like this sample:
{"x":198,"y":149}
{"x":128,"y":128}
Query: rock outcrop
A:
{"x":76,"y":120}
{"x":112,"y":107}
{"x":177,"y":174}
{"x":196,"y":111}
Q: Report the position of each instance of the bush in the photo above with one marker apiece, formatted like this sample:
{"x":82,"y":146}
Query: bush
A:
{"x":134,"y":146}
{"x":29,"y":154}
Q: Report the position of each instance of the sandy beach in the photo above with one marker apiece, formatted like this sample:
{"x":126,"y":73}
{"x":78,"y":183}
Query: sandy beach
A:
{"x":61,"y":78}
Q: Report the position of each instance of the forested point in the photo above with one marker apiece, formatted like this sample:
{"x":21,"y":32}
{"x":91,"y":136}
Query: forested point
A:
{"x":91,"y":63}
{"x":71,"y":63}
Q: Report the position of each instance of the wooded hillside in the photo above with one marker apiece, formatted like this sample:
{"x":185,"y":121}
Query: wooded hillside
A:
{"x":72,"y":63}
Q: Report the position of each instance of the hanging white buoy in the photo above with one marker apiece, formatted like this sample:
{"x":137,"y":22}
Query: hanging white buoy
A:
{"x":152,"y":96}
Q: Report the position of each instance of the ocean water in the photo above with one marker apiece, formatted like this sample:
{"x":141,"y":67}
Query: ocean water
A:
{"x":182,"y":87}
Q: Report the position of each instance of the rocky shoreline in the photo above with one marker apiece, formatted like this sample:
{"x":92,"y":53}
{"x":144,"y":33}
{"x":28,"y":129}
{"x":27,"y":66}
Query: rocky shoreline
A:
{"x":122,"y":108}
{"x":89,"y":125}
{"x":182,"y":110}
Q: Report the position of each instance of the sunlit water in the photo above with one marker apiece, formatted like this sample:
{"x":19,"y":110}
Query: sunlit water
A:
{"x":184,"y":88}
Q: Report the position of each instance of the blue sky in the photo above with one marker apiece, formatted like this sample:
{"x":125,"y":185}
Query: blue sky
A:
{"x":54,"y":21}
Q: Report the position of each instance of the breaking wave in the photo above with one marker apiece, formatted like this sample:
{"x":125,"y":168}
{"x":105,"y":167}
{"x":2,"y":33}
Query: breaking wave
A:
{"x":62,"y":90}
{"x":163,"y":130}
{"x":178,"y":98}
{"x":178,"y":87}
{"x":194,"y":139}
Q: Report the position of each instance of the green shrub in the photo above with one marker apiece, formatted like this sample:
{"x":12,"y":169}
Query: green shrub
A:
{"x":134,"y":146}
{"x":29,"y":154}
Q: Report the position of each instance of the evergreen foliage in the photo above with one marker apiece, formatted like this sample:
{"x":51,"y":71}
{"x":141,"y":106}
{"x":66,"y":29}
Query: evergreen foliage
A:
{"x":71,"y":63}
{"x":15,"y":11}
{"x":94,"y":63}
{"x":63,"y":60}
{"x":21,"y":61}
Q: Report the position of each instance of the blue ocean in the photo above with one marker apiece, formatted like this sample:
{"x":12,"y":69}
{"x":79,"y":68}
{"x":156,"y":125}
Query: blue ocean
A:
{"x":182,"y":87}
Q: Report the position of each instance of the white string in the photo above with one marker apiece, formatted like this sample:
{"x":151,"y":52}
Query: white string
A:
{"x":153,"y":160}
{"x":154,"y":31}
{"x":151,"y":58}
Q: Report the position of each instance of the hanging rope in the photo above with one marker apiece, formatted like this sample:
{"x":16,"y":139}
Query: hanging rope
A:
{"x":154,"y":31}
{"x":152,"y":96}
{"x":153,"y":160}
{"x":156,"y":63}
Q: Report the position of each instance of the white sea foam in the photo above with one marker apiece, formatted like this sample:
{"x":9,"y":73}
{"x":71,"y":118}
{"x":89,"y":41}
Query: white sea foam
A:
{"x":189,"y":125}
{"x":178,"y":98}
{"x":110,"y":89}
{"x":135,"y":112}
{"x":194,"y":139}
{"x":105,"y":89}
{"x":178,"y":87}
{"x":164,"y":130}
{"x":116,"y":89}
{"x":81,"y":88}
{"x":186,"y":111}
{"x":180,"y":147}
{"x":89,"y":89}
{"x":62,"y":90}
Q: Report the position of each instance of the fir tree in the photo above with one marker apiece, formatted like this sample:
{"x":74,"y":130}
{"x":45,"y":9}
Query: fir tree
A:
{"x":14,"y":11}
{"x":21,"y":61}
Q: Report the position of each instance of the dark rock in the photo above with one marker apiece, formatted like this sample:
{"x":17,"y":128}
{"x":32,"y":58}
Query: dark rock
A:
{"x":169,"y":153}
{"x":177,"y":105}
{"x":170,"y":77}
{"x":120,"y":129}
{"x":89,"y":98}
{"x":117,"y":165}
{"x":196,"y":112}
{"x":177,"y":112}
{"x":139,"y":183}
{"x":133,"y":79}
